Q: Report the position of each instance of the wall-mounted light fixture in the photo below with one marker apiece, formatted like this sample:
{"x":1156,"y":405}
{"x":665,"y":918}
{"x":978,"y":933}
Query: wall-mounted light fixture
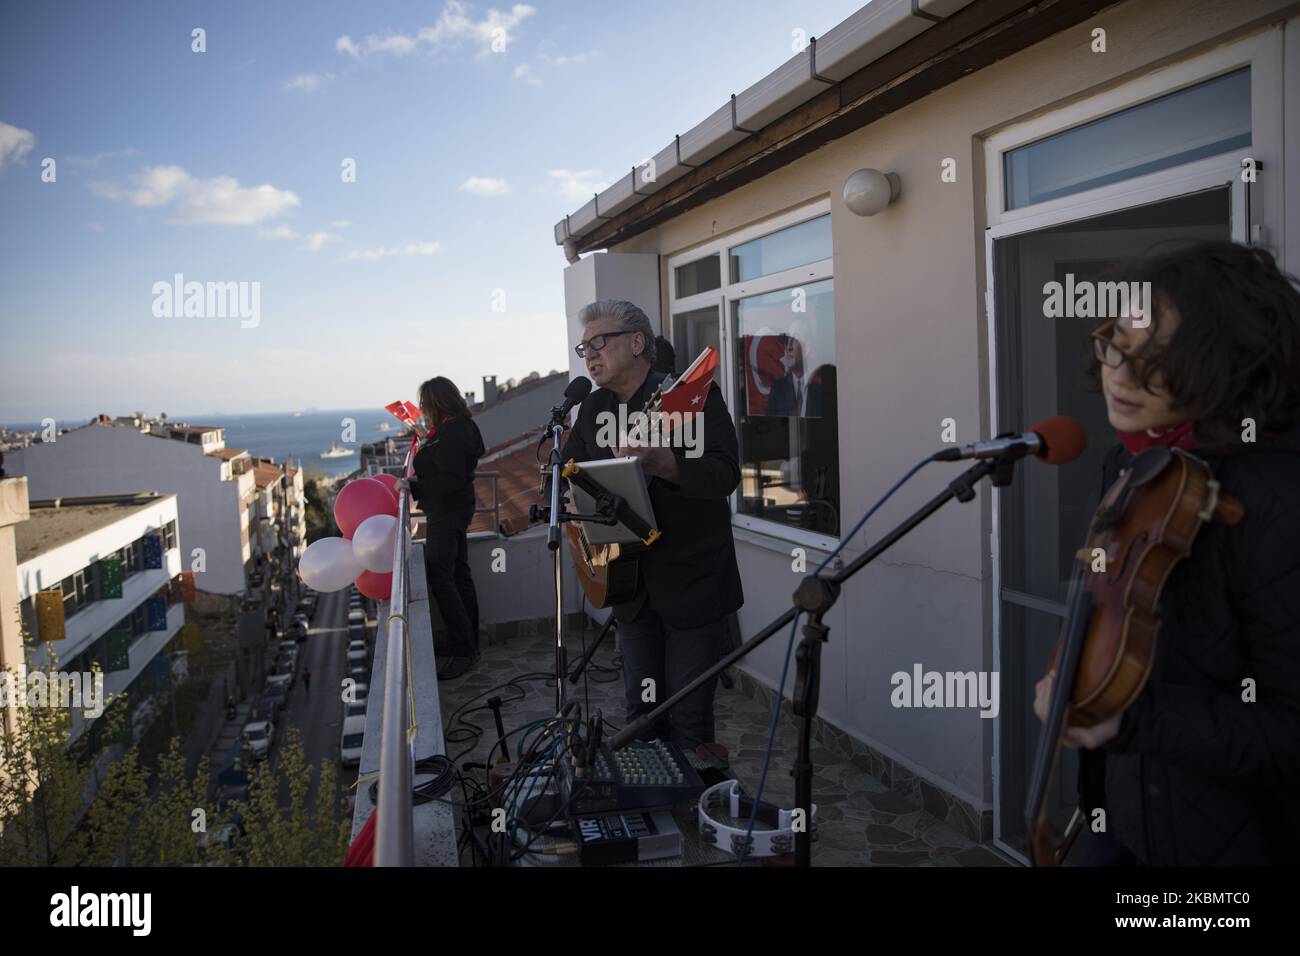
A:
{"x":869,"y":191}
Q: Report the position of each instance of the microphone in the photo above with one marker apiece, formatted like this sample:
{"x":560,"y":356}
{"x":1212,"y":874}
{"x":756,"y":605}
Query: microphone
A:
{"x":577,"y":391}
{"x":1056,"y":441}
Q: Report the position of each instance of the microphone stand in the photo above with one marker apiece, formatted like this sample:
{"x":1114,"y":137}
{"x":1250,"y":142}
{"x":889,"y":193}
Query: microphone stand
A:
{"x":611,"y":509}
{"x":555,"y":429}
{"x":814,"y":597}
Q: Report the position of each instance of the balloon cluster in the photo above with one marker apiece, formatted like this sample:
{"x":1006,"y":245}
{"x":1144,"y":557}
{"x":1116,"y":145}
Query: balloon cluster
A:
{"x":366,"y":512}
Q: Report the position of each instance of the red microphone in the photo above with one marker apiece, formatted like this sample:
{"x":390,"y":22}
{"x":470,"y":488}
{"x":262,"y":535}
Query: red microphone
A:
{"x":1056,"y":441}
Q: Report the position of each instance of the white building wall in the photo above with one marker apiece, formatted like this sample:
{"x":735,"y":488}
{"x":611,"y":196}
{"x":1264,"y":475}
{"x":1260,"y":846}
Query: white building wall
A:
{"x":911,"y":350}
{"x":99,"y":617}
{"x":102,"y":460}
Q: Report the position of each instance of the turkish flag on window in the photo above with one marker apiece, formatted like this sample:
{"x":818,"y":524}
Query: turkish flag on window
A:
{"x":690,"y":391}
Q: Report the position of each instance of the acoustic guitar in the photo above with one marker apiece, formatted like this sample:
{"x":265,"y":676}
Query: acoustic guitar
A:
{"x":608,"y":573}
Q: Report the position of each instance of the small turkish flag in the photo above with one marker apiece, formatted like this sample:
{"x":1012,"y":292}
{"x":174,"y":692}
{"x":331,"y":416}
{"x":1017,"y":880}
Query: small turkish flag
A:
{"x":691,"y":390}
{"x":398,"y":411}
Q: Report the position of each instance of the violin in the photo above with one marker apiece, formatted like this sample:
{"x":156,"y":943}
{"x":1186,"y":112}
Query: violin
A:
{"x":1146,"y":523}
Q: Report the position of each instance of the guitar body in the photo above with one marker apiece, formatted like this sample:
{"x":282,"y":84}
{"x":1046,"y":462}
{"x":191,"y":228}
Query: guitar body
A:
{"x":607,"y":572}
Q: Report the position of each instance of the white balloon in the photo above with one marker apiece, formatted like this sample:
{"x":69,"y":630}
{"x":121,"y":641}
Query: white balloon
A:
{"x":328,"y":564}
{"x":372,"y":543}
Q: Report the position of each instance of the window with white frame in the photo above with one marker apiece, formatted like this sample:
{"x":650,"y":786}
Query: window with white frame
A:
{"x":765,"y":298}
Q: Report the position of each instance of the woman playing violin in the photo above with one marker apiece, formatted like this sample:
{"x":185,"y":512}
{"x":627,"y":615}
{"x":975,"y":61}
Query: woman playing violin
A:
{"x":1203,"y":767}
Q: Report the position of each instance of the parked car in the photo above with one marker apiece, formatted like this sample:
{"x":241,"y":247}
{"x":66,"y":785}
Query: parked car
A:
{"x":356,"y":616}
{"x":283,"y":681}
{"x":356,"y":657}
{"x":276,"y":695}
{"x":288,"y":647}
{"x":285,"y":664}
{"x":355,"y":709}
{"x":356,"y":632}
{"x":257,"y":738}
{"x":360,"y":690}
{"x":354,"y":732}
{"x":359,"y":673}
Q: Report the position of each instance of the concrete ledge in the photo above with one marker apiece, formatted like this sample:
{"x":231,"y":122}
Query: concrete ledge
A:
{"x":434,"y":822}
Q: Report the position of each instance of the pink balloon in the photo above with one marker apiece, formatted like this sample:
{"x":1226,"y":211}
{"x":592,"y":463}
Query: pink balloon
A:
{"x":388,"y":481}
{"x":361,"y":499}
{"x":377,"y":587}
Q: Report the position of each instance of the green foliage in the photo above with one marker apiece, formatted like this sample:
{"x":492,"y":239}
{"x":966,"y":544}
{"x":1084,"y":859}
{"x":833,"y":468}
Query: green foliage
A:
{"x":60,"y":806}
{"x":283,"y":828}
{"x":320,"y":522}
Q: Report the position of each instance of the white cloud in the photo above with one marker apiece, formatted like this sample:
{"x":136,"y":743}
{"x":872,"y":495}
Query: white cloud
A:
{"x":314,"y":240}
{"x":307,"y":82}
{"x":92,"y":162}
{"x":340,"y":223}
{"x":97,"y":226}
{"x":15,"y":144}
{"x":567,"y":59}
{"x":385,"y":252}
{"x":455,"y":25}
{"x":525,"y":72}
{"x":220,"y":200}
{"x":485,"y":186}
{"x":579,"y":184}
{"x":317,"y":239}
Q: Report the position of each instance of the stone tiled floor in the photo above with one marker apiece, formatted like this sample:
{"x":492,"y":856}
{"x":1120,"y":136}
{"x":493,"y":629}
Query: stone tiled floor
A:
{"x":861,"y":822}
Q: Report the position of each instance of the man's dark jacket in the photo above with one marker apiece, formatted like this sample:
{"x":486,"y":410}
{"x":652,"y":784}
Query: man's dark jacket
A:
{"x":689,"y":576}
{"x":1197,"y":776}
{"x":444,"y":471}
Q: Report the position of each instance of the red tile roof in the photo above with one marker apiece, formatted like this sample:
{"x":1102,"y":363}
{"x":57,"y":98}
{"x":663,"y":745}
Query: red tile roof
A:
{"x":227,"y":453}
{"x":266,"y":475}
{"x":519,"y":484}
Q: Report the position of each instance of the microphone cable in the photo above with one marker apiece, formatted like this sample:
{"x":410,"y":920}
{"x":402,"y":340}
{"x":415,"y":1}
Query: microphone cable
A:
{"x":785,"y":668}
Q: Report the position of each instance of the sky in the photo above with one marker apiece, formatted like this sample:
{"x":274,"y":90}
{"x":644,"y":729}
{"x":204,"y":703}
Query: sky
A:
{"x":383,"y":177}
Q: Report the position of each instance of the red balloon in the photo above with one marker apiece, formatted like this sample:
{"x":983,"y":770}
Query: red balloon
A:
{"x":361,"y":499}
{"x":389,"y":482}
{"x":377,"y":587}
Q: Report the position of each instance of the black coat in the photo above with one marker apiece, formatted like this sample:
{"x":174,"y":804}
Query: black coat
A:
{"x":444,"y":471}
{"x":1196,"y":775}
{"x":689,"y":576}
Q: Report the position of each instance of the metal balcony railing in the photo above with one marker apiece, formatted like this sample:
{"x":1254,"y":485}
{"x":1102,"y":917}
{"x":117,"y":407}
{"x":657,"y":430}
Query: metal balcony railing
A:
{"x":393,"y":824}
{"x":375,"y":468}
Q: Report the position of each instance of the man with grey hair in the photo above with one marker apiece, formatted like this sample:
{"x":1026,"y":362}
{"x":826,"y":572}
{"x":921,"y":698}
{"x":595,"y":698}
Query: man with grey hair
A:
{"x":689,"y":582}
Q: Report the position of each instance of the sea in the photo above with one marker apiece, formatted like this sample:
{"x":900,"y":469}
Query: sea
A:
{"x":302,"y":436}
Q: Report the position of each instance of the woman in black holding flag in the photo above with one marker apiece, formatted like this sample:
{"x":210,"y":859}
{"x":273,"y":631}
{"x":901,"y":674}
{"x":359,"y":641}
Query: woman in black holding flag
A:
{"x":443,"y":485}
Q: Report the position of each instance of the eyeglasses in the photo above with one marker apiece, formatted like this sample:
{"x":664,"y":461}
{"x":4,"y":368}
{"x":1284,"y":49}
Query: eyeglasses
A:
{"x":596,"y":342}
{"x":1112,"y":356}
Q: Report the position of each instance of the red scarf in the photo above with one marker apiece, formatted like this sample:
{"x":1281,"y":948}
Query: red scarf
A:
{"x":1175,"y":436}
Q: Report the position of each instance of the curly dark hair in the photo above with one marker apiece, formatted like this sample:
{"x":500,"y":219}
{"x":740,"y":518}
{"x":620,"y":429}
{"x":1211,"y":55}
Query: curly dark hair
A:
{"x":1235,"y":354}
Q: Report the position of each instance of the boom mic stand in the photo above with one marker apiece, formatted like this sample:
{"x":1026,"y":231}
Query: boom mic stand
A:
{"x":814,"y":597}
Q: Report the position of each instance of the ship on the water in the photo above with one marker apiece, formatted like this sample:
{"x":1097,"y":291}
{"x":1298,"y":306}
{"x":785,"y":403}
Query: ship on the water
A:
{"x":337,"y":451}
